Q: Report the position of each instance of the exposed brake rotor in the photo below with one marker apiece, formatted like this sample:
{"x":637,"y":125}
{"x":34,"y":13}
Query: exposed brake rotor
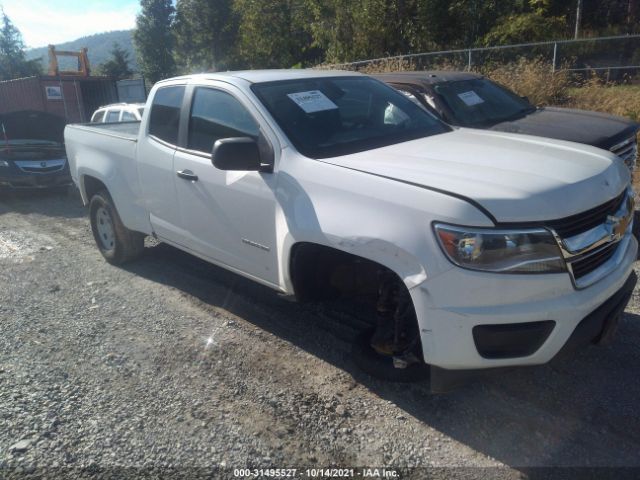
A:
{"x":396,"y":333}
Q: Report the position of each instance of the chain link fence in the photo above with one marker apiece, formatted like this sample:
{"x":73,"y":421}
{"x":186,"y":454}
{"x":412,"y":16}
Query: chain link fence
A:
{"x":614,"y":57}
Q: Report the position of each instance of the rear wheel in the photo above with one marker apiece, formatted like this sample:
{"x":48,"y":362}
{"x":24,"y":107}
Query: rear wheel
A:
{"x":116,"y":243}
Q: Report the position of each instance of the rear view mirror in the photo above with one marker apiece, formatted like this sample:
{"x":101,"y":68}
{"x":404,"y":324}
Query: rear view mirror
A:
{"x":236,"y":153}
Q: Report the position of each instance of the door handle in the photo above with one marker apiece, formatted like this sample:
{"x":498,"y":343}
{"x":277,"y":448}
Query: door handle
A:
{"x":187,"y":175}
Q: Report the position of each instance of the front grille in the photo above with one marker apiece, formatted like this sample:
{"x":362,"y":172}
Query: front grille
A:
{"x":628,"y":151}
{"x":54,"y":168}
{"x":592,"y":261}
{"x":591,"y":257}
{"x":44,"y":166}
{"x":581,"y":222}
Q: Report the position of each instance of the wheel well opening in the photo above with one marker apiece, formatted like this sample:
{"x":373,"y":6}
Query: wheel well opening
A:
{"x":92,"y":186}
{"x":375,"y":294}
{"x":324,"y":273}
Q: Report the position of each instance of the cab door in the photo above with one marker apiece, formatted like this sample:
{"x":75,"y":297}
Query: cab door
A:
{"x":229,"y":216}
{"x":155,"y":153}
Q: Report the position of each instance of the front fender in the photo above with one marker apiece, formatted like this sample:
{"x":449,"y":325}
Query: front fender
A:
{"x":378,"y":219}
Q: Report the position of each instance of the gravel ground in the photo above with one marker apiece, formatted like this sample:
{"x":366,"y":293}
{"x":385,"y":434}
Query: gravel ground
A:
{"x":170,"y":364}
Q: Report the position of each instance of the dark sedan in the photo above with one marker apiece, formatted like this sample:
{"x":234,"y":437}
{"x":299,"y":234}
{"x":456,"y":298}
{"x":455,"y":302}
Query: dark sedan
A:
{"x":470,"y":100}
{"x":32,"y":153}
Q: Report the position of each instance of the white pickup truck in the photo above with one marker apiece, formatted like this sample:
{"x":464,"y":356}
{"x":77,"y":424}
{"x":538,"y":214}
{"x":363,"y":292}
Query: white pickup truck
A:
{"x":478,"y":249}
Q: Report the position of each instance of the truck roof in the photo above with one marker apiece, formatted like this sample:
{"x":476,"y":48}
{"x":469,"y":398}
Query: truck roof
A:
{"x":122,"y":104}
{"x":259,"y":76}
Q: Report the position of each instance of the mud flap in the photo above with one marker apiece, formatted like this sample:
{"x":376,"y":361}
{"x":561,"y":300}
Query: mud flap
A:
{"x":608,"y":331}
{"x":600,"y":325}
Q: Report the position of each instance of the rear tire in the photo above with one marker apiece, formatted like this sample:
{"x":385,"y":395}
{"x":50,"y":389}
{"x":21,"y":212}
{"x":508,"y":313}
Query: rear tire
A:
{"x":116,"y":243}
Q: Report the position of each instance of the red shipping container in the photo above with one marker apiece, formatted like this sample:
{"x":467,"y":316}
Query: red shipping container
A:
{"x":73,"y":98}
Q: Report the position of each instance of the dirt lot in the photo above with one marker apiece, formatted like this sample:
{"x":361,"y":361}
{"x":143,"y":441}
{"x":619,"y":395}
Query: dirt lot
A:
{"x":173,"y":363}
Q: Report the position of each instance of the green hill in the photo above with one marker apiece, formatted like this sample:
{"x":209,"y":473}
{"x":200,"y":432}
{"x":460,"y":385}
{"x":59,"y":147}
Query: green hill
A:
{"x":99,"y":46}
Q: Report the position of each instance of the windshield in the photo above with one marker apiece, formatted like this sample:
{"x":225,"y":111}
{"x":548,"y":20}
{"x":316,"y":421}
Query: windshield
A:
{"x":480,"y":102}
{"x":326,"y":117}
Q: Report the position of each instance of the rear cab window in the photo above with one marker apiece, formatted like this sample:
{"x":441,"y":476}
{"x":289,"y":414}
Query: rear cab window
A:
{"x":164,"y":117}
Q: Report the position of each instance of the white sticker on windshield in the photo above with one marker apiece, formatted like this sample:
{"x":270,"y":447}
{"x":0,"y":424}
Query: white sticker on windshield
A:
{"x":312,"y":101}
{"x":470,"y":98}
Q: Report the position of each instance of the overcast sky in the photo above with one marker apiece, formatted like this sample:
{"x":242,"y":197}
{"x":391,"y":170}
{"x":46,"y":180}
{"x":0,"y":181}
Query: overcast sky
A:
{"x":42,"y":22}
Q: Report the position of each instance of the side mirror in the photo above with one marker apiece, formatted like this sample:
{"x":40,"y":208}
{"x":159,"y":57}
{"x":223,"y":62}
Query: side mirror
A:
{"x":236,"y":153}
{"x":525,"y":98}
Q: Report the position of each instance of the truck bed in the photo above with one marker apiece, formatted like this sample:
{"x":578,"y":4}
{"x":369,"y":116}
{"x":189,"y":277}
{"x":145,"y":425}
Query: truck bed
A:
{"x":108,"y":151}
{"x":127,"y":130}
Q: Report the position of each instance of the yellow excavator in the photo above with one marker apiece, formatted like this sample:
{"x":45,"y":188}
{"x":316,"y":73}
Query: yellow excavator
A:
{"x":83,"y":62}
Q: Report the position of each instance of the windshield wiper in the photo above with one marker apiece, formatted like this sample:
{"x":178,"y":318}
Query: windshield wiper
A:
{"x":513,"y":116}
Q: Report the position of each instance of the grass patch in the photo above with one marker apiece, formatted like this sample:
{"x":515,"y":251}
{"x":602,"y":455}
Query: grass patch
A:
{"x":533,"y":79}
{"x":621,"y":100}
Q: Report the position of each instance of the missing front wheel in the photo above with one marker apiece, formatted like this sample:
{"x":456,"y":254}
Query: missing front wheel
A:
{"x":396,"y":332}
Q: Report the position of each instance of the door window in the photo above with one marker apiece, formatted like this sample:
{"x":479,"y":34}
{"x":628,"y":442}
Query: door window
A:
{"x":113,"y":116}
{"x":165,"y":113}
{"x":216,"y":114}
{"x":98,"y":116}
{"x":128,"y":117}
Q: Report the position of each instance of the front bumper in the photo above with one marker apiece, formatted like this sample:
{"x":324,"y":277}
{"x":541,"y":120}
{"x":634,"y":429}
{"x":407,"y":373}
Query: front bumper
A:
{"x":451,"y":304}
{"x":13,"y":178}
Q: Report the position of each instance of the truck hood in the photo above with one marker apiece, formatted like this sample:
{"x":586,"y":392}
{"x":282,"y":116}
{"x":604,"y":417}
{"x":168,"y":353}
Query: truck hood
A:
{"x":25,"y":125}
{"x":592,"y":128}
{"x":516,"y":178}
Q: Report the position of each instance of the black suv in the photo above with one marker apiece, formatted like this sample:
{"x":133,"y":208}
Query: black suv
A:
{"x":470,"y":100}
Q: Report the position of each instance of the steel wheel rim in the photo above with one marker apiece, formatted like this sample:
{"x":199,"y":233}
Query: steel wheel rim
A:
{"x":104,"y":226}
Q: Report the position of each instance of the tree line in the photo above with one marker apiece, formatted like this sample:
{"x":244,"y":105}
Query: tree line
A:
{"x":185,"y":36}
{"x":13,"y":61}
{"x":204,"y":35}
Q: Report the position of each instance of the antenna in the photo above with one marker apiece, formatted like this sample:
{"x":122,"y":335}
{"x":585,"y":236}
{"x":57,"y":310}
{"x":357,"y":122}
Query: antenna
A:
{"x":578,"y":19}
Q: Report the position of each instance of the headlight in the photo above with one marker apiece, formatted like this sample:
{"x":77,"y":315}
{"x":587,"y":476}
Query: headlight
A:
{"x":4,"y":163}
{"x":504,"y":251}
